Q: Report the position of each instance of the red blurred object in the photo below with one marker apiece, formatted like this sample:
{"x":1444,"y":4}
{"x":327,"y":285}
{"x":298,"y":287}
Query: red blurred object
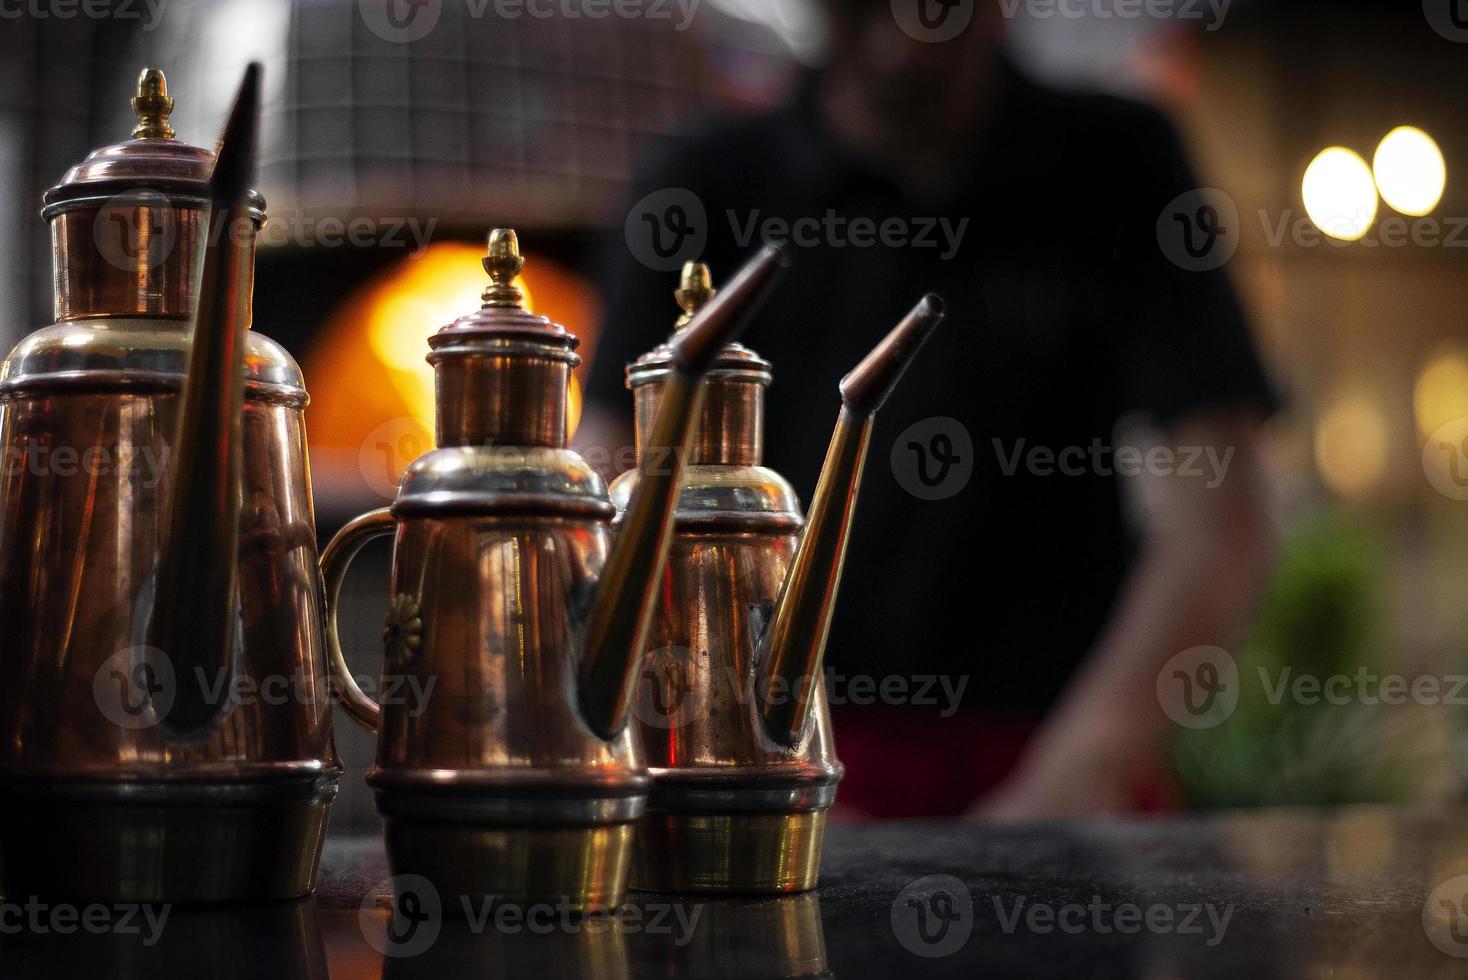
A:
{"x":900,"y":762}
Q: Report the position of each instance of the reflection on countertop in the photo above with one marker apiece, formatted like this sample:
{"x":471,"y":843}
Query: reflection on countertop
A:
{"x":1359,"y":891}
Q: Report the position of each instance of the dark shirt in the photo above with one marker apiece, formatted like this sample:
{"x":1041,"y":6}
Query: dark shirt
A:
{"x":1064,"y":316}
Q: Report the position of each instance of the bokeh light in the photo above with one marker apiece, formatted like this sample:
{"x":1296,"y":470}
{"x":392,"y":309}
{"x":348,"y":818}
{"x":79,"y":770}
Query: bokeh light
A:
{"x":1351,"y":446}
{"x":1441,"y":392}
{"x":1340,"y":193}
{"x":1410,"y":172}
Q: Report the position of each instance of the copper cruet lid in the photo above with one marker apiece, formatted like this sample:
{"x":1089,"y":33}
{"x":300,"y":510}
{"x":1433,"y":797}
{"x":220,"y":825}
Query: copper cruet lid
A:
{"x":734,"y":363}
{"x":503,"y":325}
{"x":152,"y":160}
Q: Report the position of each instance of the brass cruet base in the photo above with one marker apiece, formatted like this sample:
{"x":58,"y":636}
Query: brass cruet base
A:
{"x":176,"y":843}
{"x":733,"y":853}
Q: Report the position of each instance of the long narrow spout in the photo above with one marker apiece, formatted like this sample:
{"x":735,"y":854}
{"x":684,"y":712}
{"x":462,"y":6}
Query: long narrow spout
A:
{"x":195,"y":608}
{"x":617,"y":625}
{"x":796,"y":638}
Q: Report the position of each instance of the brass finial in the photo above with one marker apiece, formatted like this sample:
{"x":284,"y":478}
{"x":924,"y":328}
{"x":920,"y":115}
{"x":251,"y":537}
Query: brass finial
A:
{"x":503,"y":263}
{"x":695,"y":288}
{"x":153,"y":106}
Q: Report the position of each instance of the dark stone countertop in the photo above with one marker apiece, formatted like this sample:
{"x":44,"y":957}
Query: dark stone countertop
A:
{"x":1355,"y":892}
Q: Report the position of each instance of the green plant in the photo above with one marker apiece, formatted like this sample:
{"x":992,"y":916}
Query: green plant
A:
{"x":1320,"y":616}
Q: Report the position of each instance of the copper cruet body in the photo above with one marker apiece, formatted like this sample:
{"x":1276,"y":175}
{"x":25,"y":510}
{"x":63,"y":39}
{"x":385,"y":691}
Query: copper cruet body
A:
{"x":731,"y":710}
{"x":516,"y":617}
{"x":165,"y":733}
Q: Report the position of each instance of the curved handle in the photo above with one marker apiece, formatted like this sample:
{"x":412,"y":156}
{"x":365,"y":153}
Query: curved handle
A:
{"x":335,"y":560}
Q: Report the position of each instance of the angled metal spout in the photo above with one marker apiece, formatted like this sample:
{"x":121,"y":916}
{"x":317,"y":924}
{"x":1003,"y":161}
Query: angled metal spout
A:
{"x":621,"y":613}
{"x":195,"y":607}
{"x":790,"y":658}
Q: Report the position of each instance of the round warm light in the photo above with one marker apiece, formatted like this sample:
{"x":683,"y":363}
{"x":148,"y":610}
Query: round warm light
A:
{"x":1351,"y":446}
{"x":1340,"y":193}
{"x":1410,"y":172}
{"x":1441,"y":391}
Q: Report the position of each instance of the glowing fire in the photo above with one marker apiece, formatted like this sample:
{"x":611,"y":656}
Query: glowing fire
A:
{"x":372,"y":402}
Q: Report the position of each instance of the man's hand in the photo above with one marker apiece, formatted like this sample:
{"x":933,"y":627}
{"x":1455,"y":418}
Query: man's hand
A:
{"x":1067,"y":785}
{"x":1208,"y":552}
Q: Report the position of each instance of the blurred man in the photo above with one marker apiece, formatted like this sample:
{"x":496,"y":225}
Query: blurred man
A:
{"x":993,"y":566}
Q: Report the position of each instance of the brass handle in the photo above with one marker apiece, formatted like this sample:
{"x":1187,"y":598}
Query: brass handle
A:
{"x":335,"y":561}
